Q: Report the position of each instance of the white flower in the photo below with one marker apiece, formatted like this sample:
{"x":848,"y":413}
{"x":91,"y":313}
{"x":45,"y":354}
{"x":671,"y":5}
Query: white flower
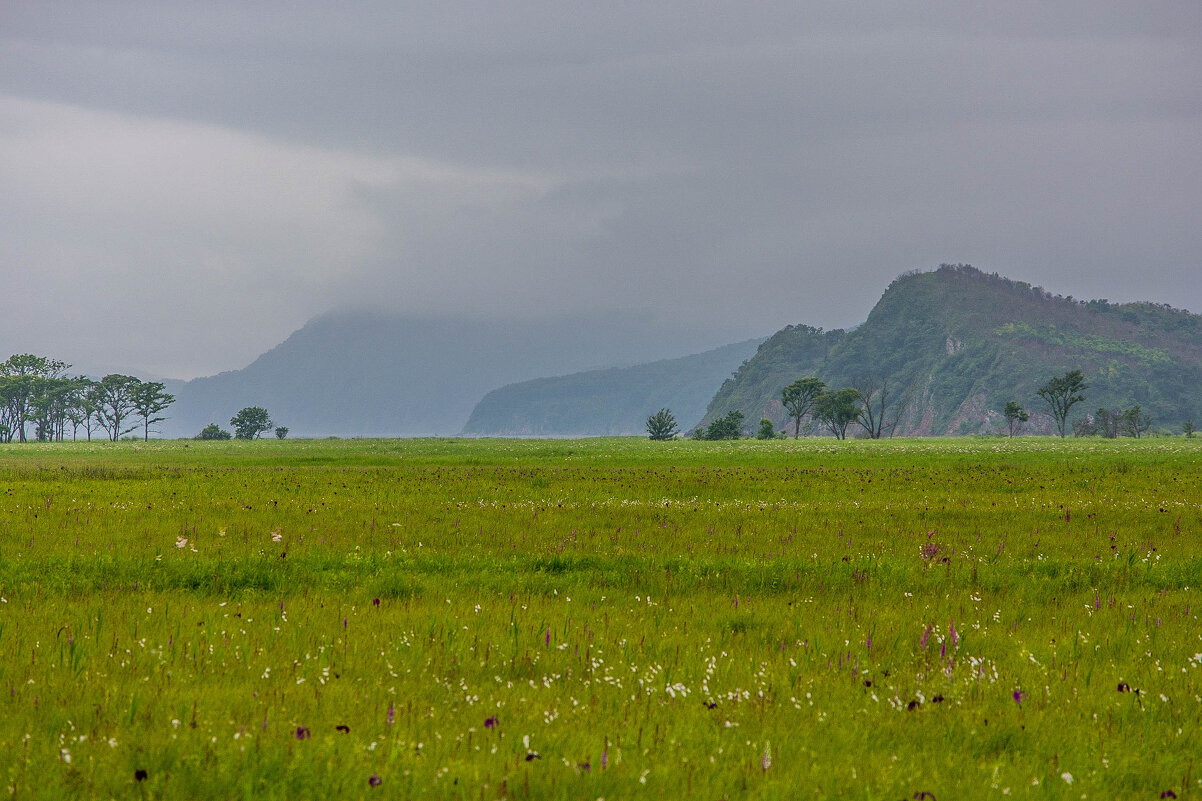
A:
{"x":181,"y":542}
{"x":1067,"y":777}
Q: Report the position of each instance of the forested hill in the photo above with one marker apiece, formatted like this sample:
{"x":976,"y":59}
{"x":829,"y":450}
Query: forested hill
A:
{"x":607,"y":402}
{"x":955,"y":344}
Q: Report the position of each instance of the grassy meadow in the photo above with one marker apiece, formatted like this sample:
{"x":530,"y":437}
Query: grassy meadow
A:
{"x":478,"y":619}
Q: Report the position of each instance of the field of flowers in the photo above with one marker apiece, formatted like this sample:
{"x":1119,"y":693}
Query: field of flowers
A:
{"x":922,"y":619}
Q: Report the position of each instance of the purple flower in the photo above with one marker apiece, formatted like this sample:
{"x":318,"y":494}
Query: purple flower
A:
{"x":375,"y":601}
{"x":952,"y":635}
{"x":490,"y":722}
{"x":391,"y":713}
{"x":1019,"y":696}
{"x":302,"y":732}
{"x":374,"y":780}
{"x":605,"y":759}
{"x":926,"y":636}
{"x":1168,"y":794}
{"x":342,"y":727}
{"x":547,"y":639}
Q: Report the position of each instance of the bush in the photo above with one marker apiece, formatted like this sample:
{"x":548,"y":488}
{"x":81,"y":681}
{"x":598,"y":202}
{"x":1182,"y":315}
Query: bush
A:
{"x":213,"y":431}
{"x":728,"y":427}
{"x":767,"y":429}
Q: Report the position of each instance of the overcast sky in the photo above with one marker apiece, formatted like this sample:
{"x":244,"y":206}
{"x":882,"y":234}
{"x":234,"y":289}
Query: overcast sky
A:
{"x":183,"y":184}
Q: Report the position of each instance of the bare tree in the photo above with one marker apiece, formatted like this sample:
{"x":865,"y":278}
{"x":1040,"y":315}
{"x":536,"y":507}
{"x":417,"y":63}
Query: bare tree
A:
{"x":874,"y":400}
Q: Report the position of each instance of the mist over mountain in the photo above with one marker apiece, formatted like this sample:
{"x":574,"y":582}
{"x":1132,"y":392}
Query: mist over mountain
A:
{"x":954,"y":344}
{"x":607,"y":402}
{"x":378,"y":374}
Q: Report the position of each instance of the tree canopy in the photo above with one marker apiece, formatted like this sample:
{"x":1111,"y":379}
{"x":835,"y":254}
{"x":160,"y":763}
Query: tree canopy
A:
{"x":250,"y":422}
{"x":1061,"y":394}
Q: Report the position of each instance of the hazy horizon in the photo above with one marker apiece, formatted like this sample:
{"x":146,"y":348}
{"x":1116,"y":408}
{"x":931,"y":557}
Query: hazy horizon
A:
{"x":186,"y":185}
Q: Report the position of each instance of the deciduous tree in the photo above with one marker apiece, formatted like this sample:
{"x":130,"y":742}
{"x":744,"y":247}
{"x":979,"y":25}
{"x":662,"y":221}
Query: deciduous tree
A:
{"x":1015,"y":416}
{"x":150,"y":398}
{"x":838,"y":409}
{"x":1061,"y":393}
{"x":798,"y":400}
{"x":114,"y":396}
{"x":250,"y":422}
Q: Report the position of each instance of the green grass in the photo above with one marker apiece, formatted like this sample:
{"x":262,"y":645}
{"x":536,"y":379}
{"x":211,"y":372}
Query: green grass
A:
{"x":715,"y":620}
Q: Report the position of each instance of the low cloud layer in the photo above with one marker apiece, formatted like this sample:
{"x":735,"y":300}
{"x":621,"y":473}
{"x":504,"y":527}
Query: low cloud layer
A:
{"x":183,"y":184}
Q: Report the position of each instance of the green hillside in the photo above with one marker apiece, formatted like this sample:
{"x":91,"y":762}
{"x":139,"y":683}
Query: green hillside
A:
{"x":955,"y":344}
{"x":607,"y":402}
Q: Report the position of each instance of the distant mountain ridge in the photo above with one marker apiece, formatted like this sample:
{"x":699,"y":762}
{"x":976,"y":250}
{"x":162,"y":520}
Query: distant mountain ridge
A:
{"x":609,"y":402}
{"x":955,"y":344}
{"x":383,"y":374}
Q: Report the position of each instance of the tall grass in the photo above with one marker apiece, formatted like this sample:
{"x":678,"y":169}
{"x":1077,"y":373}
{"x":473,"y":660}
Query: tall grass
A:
{"x":600,"y":618}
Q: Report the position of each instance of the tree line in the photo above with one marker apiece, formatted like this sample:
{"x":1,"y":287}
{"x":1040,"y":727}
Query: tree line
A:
{"x":36,"y":392}
{"x":866,"y":405}
{"x":40,"y":402}
{"x":1064,"y":392}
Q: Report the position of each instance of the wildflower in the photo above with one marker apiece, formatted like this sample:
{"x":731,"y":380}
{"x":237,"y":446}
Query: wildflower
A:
{"x":766,"y":759}
{"x":1168,"y":794}
{"x":584,"y":766}
{"x":302,"y":733}
{"x":181,"y":542}
{"x":490,"y":722}
{"x":1124,"y":687}
{"x":342,"y":727}
{"x":375,"y":602}
{"x":547,"y":639}
{"x":952,"y":635}
{"x":276,"y":536}
{"x":605,"y":759}
{"x":391,"y":713}
{"x":140,"y":775}
{"x":374,"y":780}
{"x":533,"y":755}
{"x":926,"y":636}
{"x":1066,"y":777}
{"x":1019,"y":696}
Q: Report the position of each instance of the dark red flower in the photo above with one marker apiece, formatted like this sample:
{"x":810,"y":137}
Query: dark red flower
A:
{"x":374,"y":780}
{"x":140,"y":775}
{"x":302,"y":733}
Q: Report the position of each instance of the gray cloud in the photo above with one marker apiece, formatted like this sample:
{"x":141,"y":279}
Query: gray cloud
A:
{"x":186,"y":183}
